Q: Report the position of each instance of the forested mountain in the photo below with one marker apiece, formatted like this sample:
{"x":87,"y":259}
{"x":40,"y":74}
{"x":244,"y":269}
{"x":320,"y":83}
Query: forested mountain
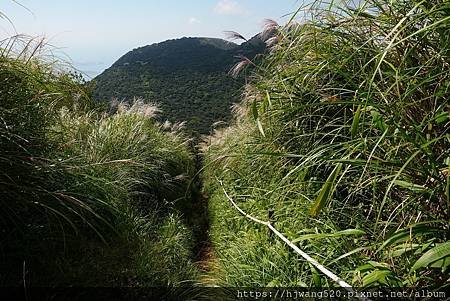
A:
{"x":188,"y":78}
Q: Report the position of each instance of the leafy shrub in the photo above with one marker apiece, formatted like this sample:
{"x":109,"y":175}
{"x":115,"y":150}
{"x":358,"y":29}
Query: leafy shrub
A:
{"x":345,"y":126}
{"x":87,"y":198}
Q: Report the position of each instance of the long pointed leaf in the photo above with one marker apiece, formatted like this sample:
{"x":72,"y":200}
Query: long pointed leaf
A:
{"x":439,"y":252}
{"x":326,"y":191}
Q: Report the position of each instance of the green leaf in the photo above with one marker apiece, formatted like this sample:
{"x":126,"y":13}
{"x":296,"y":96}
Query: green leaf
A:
{"x":413,"y":231}
{"x":447,"y":188}
{"x":441,"y":117}
{"x":403,"y":248}
{"x":260,"y":127}
{"x":349,"y":232}
{"x":376,"y":276}
{"x":315,"y":276}
{"x":326,"y":235}
{"x":274,"y":283}
{"x":265,"y":105}
{"x":377,"y":120}
{"x":364,"y":267}
{"x":268,"y":99}
{"x":348,"y":254}
{"x":410,"y":186}
{"x":441,"y":263}
{"x":355,"y":121}
{"x":437,"y":253}
{"x":254,"y":110}
{"x":326,"y":191}
{"x":380,"y":265}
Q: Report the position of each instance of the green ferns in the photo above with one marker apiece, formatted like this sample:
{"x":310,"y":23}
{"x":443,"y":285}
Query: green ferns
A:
{"x":87,"y":198}
{"x":344,"y":126}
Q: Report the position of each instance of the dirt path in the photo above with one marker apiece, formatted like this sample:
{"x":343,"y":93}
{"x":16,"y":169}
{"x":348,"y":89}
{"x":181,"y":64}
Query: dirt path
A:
{"x":203,"y":250}
{"x":197,"y":217}
{"x":206,"y":265}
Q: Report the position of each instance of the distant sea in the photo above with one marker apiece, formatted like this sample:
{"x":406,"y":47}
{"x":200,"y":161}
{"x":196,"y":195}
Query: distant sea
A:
{"x":90,"y":70}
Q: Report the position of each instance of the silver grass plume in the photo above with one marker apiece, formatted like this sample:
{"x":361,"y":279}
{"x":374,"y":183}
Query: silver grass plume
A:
{"x":239,"y":66}
{"x":270,"y":28}
{"x":270,"y":42}
{"x":139,"y":107}
{"x":233,"y":35}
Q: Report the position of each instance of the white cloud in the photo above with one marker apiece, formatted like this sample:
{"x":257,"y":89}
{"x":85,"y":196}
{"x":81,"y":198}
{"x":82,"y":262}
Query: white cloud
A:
{"x":228,"y":7}
{"x":193,"y":20}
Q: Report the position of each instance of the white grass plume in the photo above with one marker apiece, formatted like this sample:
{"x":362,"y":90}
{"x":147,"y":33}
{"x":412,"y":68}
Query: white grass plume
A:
{"x":138,"y":107}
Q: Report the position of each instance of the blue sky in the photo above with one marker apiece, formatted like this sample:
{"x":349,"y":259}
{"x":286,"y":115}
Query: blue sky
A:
{"x":95,"y":33}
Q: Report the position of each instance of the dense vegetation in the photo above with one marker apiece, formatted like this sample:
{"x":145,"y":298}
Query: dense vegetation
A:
{"x":188,"y":79}
{"x":344,"y":134}
{"x":88,"y":198}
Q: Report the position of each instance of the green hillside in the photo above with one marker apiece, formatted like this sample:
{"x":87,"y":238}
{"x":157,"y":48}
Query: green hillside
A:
{"x":188,"y":79}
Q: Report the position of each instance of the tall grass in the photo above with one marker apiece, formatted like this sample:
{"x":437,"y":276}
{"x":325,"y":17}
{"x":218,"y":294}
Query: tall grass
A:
{"x":345,"y":125}
{"x":86,"y":197}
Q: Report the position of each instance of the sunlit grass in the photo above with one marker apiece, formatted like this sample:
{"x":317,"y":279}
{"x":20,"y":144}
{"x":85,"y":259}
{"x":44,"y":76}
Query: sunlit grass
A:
{"x":346,"y":127}
{"x":88,"y":197}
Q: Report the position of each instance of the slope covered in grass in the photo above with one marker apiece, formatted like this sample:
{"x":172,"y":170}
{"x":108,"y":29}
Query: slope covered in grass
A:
{"x":88,"y":198}
{"x":344,"y":133}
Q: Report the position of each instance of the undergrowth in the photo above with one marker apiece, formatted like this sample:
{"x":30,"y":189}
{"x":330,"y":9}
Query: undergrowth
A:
{"x":87,"y":197}
{"x":344,"y":133}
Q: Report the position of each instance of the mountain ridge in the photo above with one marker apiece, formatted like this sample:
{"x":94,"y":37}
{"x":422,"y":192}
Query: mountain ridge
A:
{"x":187,"y":77}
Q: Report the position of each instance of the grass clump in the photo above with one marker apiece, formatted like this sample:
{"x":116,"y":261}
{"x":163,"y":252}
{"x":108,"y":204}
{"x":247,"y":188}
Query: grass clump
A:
{"x":88,"y":198}
{"x":344,"y":126}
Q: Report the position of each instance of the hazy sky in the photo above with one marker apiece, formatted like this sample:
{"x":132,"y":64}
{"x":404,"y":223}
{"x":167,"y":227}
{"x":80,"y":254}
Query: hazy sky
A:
{"x":95,"y":33}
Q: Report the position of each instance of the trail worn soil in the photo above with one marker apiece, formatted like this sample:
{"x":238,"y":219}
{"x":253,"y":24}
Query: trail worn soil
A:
{"x":203,"y":250}
{"x":197,"y":218}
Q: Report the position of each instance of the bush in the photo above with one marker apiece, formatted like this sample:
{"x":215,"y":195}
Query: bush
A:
{"x":87,"y":198}
{"x":344,"y":126}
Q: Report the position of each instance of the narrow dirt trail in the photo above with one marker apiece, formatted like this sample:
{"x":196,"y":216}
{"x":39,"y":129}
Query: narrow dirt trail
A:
{"x":203,"y":251}
{"x":197,"y":217}
{"x":206,"y":262}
